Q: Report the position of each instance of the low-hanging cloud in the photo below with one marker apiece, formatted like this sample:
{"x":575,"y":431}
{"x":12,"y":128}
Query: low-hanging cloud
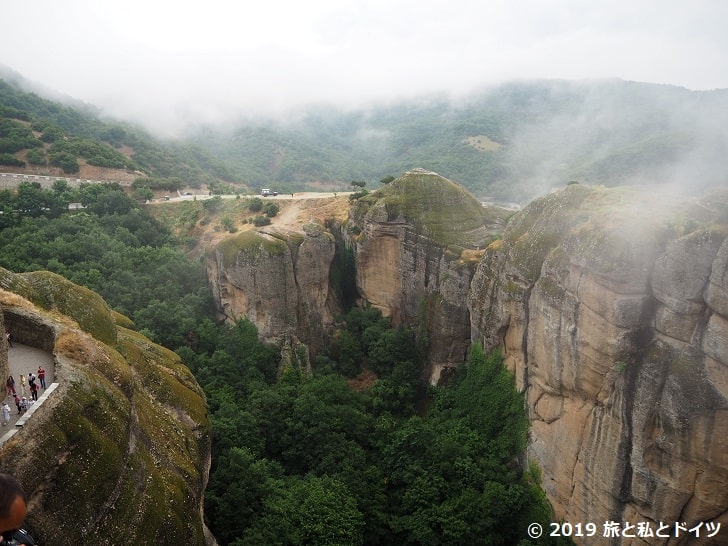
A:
{"x":170,"y":64}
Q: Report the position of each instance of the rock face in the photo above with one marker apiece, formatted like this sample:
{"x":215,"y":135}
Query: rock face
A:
{"x":416,"y":252}
{"x":278,"y":280}
{"x":415,"y":243}
{"x":611,"y":308}
{"x":122,"y":447}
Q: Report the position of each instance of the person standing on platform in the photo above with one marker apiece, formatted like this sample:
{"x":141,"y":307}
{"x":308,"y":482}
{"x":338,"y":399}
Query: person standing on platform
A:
{"x":10,"y":383}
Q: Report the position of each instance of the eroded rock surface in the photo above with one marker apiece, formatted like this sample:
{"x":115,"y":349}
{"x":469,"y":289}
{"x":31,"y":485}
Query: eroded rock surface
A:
{"x":419,"y":243}
{"x":279,"y":280}
{"x":610,"y":307}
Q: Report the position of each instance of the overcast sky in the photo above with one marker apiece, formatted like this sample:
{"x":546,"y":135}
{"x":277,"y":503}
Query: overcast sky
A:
{"x":165,"y":62}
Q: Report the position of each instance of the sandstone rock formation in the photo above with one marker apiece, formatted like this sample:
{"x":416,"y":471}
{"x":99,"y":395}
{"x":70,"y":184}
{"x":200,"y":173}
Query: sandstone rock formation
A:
{"x":120,"y":451}
{"x":416,"y":251}
{"x":416,"y":243}
{"x":610,"y":307}
{"x":279,"y":280}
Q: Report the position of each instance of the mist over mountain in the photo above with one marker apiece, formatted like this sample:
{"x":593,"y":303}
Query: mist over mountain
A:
{"x":514,"y":141}
{"x":510,"y":142}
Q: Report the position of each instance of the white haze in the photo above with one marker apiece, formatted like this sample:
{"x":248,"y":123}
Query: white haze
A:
{"x":168,"y":64}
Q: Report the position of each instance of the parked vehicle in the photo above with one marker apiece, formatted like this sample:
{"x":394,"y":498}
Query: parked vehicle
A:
{"x":267,"y":192}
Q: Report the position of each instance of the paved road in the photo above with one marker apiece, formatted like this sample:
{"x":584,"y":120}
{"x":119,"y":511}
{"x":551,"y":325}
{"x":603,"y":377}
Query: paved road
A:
{"x":190,"y":196}
{"x":11,"y":180}
{"x":23,"y":359}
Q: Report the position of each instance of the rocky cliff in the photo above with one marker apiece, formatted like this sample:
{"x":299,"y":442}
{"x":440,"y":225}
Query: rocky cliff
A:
{"x":418,"y":241}
{"x":611,"y":308}
{"x":279,"y":280}
{"x":120,"y":451}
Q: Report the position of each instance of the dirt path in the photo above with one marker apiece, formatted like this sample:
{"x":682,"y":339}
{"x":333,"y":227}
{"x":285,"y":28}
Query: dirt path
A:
{"x":23,"y":359}
{"x":303,"y":208}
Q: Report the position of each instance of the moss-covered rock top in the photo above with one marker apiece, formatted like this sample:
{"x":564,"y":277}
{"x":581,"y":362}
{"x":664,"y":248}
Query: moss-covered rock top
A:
{"x":437,"y":207}
{"x":252,"y":243}
{"x":50,"y":291}
{"x":605,"y":228}
{"x":121,"y":447}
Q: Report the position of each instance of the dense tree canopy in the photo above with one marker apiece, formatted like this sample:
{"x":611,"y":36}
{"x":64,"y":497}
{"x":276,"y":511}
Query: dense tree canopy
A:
{"x":113,"y":247}
{"x":288,"y":449}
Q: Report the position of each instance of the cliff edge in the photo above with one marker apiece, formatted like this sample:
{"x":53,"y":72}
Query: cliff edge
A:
{"x":612,"y":310}
{"x":417,"y":242}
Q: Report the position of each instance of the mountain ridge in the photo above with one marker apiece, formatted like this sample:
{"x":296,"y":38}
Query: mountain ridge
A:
{"x":510,"y":142}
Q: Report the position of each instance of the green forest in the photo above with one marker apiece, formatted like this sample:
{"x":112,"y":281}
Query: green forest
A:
{"x":301,"y":458}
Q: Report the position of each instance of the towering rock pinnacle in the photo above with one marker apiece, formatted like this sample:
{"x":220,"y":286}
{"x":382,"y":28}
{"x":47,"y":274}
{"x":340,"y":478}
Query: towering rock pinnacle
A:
{"x":610,"y":306}
{"x":420,"y":238}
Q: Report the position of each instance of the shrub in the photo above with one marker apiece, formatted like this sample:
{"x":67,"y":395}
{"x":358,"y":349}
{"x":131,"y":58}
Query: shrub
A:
{"x":65,"y":161}
{"x":228,"y":224}
{"x":10,"y":159}
{"x":255,"y":205}
{"x":36,"y":157}
{"x":271,"y":209}
{"x":356,"y":195}
{"x":259,"y":221}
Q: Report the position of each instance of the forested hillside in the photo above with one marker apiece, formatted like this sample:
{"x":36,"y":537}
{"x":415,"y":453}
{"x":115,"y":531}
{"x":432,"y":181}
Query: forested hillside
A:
{"x":511,"y":142}
{"x":48,"y":137}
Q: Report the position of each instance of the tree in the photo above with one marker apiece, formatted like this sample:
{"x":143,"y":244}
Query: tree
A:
{"x":387,"y":179}
{"x":112,"y":201}
{"x":487,"y":398}
{"x":235,"y":496}
{"x":309,"y":510}
{"x":31,"y":199}
{"x":143,"y":193}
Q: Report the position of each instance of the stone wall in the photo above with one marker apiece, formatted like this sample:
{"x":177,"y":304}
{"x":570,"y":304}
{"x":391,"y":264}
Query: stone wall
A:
{"x":29,"y":330}
{"x":4,"y":369}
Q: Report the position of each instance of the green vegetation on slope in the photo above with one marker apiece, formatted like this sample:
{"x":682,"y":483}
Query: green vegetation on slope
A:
{"x":310,"y":460}
{"x":54,"y":134}
{"x":548,"y":132}
{"x":112,"y":247}
{"x":511,"y":142}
